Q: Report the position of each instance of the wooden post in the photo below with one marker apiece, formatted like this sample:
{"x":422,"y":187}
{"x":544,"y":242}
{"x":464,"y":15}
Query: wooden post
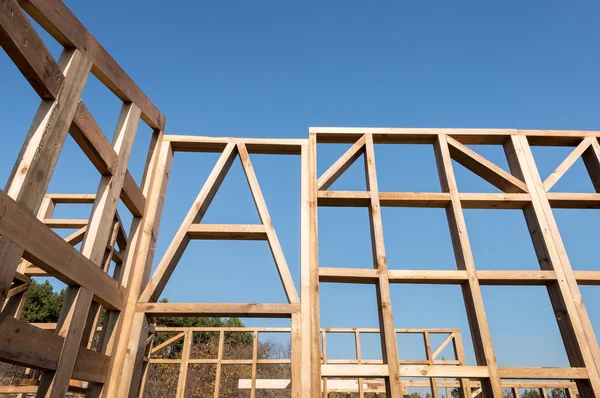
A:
{"x":307,"y":219}
{"x":384,"y":300}
{"x":480,"y":331}
{"x":573,"y":321}
{"x":184,"y":365}
{"x":140,"y":255}
{"x":426,"y":338}
{"x":313,"y":265}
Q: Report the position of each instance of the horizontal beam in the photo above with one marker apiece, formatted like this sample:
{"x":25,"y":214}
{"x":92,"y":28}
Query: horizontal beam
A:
{"x":543,"y":373}
{"x":224,"y":328}
{"x":219,"y":310}
{"x":48,"y":251}
{"x":61,"y":23}
{"x":227,"y":232}
{"x":72,"y":198}
{"x":26,"y":345}
{"x":335,"y":385}
{"x":453,"y":277}
{"x":65,"y":223}
{"x":272,"y":146}
{"x":339,"y":370}
{"x":349,"y":135}
{"x":559,"y":200}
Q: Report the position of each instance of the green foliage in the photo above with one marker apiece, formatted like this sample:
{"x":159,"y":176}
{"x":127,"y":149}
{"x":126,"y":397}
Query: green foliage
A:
{"x":42,"y":304}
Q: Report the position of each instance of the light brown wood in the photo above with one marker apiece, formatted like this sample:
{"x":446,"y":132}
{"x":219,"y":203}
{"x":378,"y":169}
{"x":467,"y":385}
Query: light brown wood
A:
{"x":565,"y":297}
{"x":384,"y":300}
{"x":227,"y":232}
{"x":27,"y":50}
{"x":482,"y":340}
{"x":271,"y":146}
{"x":92,"y":141}
{"x":167,"y":342}
{"x":140,"y":256}
{"x":485,"y":169}
{"x":58,"y":258}
{"x":184,"y":366}
{"x":565,"y":164}
{"x":278,"y":256}
{"x":228,"y":309}
{"x":341,"y":165}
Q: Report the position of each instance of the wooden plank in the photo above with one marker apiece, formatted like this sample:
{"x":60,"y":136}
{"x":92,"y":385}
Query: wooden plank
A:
{"x":429,"y":356}
{"x":383,"y":135}
{"x":60,"y":22}
{"x":384,"y":300}
{"x":430,"y":277}
{"x":565,"y":165}
{"x":261,"y":206}
{"x":50,"y":252}
{"x":343,"y":198}
{"x":35,"y":164}
{"x":132,"y":326}
{"x":92,"y":141}
{"x":430,"y":199}
{"x":244,"y":310}
{"x":27,"y":345}
{"x":295,"y":355}
{"x":543,"y":373}
{"x":271,"y":146}
{"x":591,"y":159}
{"x":254,"y":359}
{"x":72,"y":198}
{"x":167,"y":342}
{"x":336,"y":370}
{"x":485,"y":169}
{"x":578,"y":336}
{"x":516,"y":278}
{"x":227,"y":232}
{"x":443,"y":345}
{"x":331,"y":175}
{"x":180,"y":241}
{"x":560,"y":200}
{"x":218,"y":367}
{"x":414,"y":199}
{"x":347,"y":275}
{"x":184,"y":366}
{"x":591,"y":278}
{"x":494,"y":200}
{"x":482,"y":340}
{"x":65,"y":223}
{"x":55,"y":383}
{"x":132,"y":196}
{"x":307,"y":247}
{"x":24,"y":46}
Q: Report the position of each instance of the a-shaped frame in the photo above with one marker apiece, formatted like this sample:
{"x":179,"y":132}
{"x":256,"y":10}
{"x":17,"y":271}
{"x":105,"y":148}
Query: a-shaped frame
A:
{"x":523,"y":189}
{"x":191,"y":228}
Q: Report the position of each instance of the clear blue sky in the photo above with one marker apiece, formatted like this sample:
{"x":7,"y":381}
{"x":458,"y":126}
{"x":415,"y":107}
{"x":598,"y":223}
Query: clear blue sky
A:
{"x":274,"y":68}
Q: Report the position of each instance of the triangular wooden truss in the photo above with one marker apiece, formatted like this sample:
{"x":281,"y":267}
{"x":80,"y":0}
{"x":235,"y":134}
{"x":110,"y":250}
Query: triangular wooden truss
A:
{"x":465,"y":156}
{"x":192,"y":229}
{"x":589,"y":150}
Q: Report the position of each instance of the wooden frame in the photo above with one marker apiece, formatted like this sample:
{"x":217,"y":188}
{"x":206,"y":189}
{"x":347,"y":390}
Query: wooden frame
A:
{"x":523,"y":189}
{"x":31,"y":248}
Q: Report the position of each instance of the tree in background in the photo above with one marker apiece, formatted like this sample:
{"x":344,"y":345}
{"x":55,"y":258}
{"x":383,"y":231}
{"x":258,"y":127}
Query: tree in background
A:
{"x":43,"y":304}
